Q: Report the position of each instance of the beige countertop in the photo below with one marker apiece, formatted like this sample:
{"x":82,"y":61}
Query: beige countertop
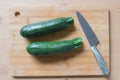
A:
{"x":112,"y":5}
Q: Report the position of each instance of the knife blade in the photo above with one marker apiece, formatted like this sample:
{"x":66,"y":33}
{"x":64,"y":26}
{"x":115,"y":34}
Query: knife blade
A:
{"x":93,"y":41}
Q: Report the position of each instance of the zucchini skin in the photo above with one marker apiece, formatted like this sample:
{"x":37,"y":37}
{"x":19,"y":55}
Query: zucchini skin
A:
{"x":46,"y":27}
{"x":52,"y":48}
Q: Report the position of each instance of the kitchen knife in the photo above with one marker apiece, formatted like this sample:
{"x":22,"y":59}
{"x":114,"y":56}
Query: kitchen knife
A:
{"x":93,"y":41}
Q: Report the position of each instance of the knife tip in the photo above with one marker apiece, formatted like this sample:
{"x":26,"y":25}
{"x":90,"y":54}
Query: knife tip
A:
{"x":77,"y":11}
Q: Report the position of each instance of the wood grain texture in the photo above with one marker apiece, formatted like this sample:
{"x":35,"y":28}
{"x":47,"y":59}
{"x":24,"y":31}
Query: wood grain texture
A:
{"x":80,"y":62}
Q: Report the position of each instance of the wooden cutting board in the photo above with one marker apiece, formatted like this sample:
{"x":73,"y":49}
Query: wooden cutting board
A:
{"x":80,"y":62}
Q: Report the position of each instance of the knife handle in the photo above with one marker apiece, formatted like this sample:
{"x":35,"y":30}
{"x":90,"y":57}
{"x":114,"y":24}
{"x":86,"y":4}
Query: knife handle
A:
{"x":100,"y":60}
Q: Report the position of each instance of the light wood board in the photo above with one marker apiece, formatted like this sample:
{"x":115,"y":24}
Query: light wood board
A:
{"x":80,"y":62}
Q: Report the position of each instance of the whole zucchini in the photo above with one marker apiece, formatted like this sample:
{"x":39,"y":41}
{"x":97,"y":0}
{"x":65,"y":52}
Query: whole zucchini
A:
{"x":52,"y":48}
{"x":46,"y":27}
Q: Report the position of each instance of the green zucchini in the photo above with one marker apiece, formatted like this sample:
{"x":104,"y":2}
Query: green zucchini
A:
{"x":46,"y":27}
{"x":52,"y":48}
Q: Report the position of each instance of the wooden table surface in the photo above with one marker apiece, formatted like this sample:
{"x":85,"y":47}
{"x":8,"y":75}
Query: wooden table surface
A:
{"x":112,"y":5}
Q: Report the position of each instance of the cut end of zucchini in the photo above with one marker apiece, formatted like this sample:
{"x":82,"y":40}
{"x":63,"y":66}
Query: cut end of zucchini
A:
{"x":77,"y":42}
{"x":70,"y":21}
